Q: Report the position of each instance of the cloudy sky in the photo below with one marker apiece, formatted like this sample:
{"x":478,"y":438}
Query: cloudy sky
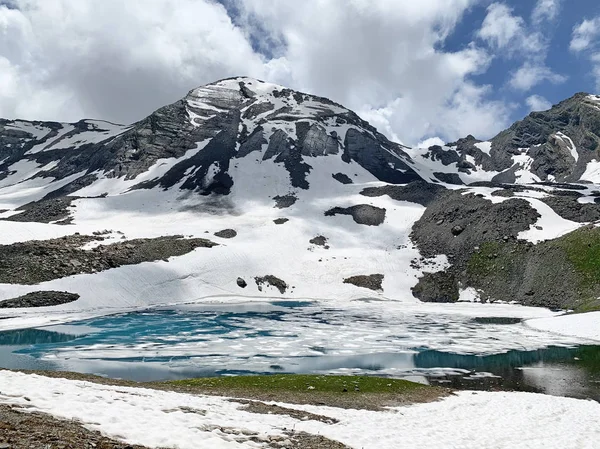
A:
{"x":415,"y":69}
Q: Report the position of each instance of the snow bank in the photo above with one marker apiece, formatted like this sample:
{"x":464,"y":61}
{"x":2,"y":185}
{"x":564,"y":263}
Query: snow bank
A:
{"x":164,"y":419}
{"x":583,"y":325}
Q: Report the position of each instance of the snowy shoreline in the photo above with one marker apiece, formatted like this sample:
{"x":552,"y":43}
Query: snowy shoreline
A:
{"x":166,"y":419}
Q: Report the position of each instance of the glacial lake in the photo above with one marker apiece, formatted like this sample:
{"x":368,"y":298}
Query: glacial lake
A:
{"x":455,"y":350}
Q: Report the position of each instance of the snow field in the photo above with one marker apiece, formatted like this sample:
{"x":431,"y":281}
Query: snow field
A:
{"x":467,"y":420}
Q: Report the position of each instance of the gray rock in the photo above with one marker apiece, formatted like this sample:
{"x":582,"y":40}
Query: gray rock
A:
{"x":319,"y":240}
{"x":285,"y":201}
{"x":39,"y":299}
{"x":241,"y":283}
{"x":364,"y":214}
{"x":270,"y":280}
{"x":372,"y":281}
{"x":420,"y":192}
{"x":457,"y":230}
{"x":226,"y":234}
{"x":342,"y":178}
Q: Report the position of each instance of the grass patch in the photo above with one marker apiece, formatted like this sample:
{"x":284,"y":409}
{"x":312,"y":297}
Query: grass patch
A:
{"x":583,"y":250}
{"x":482,"y":262}
{"x":299,"y":383}
{"x":372,"y":393}
{"x":357,"y":392}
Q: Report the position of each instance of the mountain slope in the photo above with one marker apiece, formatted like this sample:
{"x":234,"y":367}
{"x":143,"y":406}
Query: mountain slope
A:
{"x":558,"y":145}
{"x":245,"y":188}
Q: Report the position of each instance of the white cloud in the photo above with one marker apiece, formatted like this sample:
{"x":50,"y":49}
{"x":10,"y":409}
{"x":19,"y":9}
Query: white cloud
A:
{"x":431,"y":142}
{"x":595,"y":60}
{"x":65,"y":60}
{"x":118,"y":61}
{"x":545,"y":10}
{"x":584,"y":34}
{"x":503,"y":30}
{"x":381,"y":59}
{"x":538,"y":103}
{"x":586,"y":41}
{"x":500,"y":27}
{"x":530,"y":75}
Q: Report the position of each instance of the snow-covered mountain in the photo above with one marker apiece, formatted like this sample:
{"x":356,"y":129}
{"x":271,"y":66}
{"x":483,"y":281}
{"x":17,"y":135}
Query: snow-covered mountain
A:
{"x":248,"y":188}
{"x":558,"y":145}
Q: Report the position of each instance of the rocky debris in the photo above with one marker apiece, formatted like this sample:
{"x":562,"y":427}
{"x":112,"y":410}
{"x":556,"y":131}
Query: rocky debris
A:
{"x":39,"y":299}
{"x":303,"y":440}
{"x":363,"y":214}
{"x":449,"y":178}
{"x":344,"y":179}
{"x":226,"y":234}
{"x":372,"y":281}
{"x":241,"y":282}
{"x":271,"y":409}
{"x":525,"y":273}
{"x":455,"y":224}
{"x":271,"y":281}
{"x":38,"y":261}
{"x":21,"y":429}
{"x":487,"y":255}
{"x":420,"y":192}
{"x":480,"y":220}
{"x":45,"y":211}
{"x":280,"y":221}
{"x":320,"y":241}
{"x":570,"y":209}
{"x":285,"y":201}
{"x":437,"y":287}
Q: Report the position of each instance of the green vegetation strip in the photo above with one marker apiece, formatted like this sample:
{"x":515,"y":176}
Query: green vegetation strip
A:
{"x":304,"y":383}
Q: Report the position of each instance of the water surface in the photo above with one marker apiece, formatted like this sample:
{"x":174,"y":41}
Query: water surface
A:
{"x":305,"y":337}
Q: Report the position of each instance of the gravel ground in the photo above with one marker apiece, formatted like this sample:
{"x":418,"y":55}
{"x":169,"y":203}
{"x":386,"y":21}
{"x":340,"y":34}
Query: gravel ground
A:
{"x":20,"y":429}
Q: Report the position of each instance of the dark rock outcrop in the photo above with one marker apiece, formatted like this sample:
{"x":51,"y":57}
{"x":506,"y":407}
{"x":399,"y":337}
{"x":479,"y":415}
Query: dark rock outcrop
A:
{"x":271,"y":281}
{"x":284,"y":201}
{"x":342,"y":178}
{"x":39,"y":299}
{"x":372,"y":281}
{"x":226,"y":234}
{"x":569,"y":208}
{"x":364,"y":214}
{"x":38,"y":261}
{"x":420,"y":192}
{"x":319,"y":241}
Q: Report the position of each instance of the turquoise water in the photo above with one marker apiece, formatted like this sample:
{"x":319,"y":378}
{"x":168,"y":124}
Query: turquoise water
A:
{"x":305,"y":337}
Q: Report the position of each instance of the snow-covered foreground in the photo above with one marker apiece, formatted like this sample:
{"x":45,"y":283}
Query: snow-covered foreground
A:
{"x":166,"y":419}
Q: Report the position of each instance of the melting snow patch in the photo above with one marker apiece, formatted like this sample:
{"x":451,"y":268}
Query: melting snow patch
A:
{"x":467,"y":420}
{"x":549,"y":226}
{"x":486,"y":147}
{"x":570,"y":145}
{"x":584,"y":325}
{"x":523,"y":174}
{"x":592,"y":172}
